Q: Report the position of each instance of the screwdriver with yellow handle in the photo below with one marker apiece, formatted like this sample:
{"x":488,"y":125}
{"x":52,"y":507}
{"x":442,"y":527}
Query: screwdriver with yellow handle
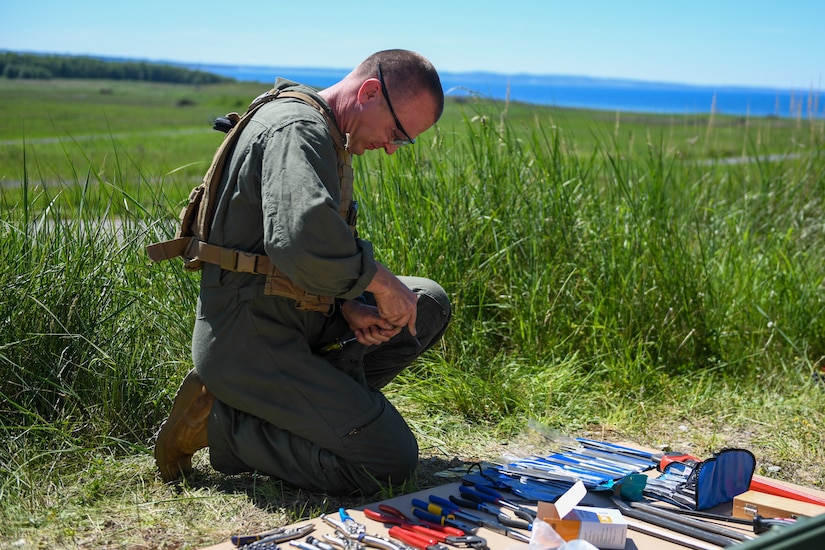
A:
{"x":335,"y":345}
{"x":445,"y":508}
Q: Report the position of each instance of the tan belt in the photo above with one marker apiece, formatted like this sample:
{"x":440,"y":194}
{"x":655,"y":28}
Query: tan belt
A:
{"x":277,"y":283}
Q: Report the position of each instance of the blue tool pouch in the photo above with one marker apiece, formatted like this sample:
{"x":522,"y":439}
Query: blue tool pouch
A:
{"x":725,"y":475}
{"x":713,"y":481}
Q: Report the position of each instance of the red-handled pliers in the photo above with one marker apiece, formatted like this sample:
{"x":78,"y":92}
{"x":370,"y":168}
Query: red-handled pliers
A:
{"x":428,"y":533}
{"x":423,"y":541}
{"x":415,"y":539}
{"x":390,"y":514}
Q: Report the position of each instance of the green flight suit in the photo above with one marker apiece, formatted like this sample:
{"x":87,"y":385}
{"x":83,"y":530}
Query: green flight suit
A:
{"x":318,"y":422}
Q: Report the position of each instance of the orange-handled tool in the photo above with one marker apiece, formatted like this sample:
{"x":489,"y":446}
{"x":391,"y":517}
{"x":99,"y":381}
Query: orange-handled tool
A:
{"x":682,"y":458}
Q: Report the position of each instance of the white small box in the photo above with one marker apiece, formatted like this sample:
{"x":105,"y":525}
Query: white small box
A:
{"x":602,"y":527}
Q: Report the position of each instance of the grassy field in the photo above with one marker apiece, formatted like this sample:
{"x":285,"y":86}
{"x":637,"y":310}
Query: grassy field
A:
{"x":656,"y":279}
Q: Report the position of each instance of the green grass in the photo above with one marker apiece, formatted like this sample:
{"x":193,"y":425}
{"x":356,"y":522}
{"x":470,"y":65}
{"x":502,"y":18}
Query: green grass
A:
{"x":607,"y":280}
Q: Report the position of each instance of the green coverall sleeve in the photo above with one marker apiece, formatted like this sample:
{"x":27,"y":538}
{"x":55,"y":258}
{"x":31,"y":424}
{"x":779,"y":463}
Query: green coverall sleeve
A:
{"x":303,"y":233}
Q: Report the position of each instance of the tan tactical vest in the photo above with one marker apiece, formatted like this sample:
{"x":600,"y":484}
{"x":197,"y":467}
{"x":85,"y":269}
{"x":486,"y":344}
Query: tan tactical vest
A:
{"x":191,"y":240}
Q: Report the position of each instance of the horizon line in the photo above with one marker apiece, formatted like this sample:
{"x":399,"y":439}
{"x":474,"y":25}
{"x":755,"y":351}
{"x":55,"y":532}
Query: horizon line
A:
{"x":479,"y":72}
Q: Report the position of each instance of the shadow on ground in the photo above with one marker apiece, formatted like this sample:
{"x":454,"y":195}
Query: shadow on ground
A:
{"x":275,"y":496}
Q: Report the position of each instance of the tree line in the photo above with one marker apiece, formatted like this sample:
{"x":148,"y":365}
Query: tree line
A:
{"x":48,"y":66}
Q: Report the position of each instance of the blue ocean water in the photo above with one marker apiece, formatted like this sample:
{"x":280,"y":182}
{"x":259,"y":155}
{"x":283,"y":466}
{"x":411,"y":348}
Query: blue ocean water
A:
{"x":580,"y":92}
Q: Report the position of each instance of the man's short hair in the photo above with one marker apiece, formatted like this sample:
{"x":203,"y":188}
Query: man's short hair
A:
{"x":406,"y":73}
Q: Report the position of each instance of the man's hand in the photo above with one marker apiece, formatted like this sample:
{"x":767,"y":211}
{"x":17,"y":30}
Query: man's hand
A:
{"x":369,"y":327}
{"x":397,"y":304}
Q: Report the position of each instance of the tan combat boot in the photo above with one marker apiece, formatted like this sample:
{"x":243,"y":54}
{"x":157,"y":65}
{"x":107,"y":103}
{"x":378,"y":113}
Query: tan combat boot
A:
{"x":184,"y":432}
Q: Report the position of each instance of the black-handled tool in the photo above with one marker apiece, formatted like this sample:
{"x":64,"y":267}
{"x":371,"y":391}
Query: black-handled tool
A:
{"x":482,"y":493}
{"x":499,"y":514}
{"x":280,"y":534}
{"x":672,"y":524}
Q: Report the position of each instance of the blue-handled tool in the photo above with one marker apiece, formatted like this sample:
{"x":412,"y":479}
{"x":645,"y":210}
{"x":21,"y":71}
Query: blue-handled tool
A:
{"x":493,"y":525}
{"x":484,"y":493}
{"x":351,"y":526}
{"x":445,"y":507}
{"x":351,"y":534}
{"x":500,"y":515}
{"x":423,"y":513}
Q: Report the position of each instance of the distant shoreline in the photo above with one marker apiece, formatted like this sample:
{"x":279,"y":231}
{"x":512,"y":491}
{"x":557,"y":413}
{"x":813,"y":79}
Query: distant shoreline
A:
{"x":578,"y":92}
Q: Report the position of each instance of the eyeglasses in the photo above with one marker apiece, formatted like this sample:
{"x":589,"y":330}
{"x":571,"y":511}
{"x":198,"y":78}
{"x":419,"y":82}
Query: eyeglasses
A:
{"x":398,"y":142}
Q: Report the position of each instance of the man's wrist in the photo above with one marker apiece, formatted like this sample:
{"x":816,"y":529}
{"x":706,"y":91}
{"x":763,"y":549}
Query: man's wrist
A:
{"x":339,"y":302}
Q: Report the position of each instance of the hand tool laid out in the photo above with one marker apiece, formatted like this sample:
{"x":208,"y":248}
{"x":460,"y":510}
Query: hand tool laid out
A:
{"x":447,"y":509}
{"x":758,"y":483}
{"x":485,"y":493}
{"x":595,"y":463}
{"x":760,"y":524}
{"x":351,"y":535}
{"x":682,"y":458}
{"x":694,"y":522}
{"x":346,"y":524}
{"x":311,"y":543}
{"x":673,"y":524}
{"x":521,"y":487}
{"x":500,"y":515}
{"x":669,"y":536}
{"x":390,"y":514}
{"x":415,"y":539}
{"x":316,"y":543}
{"x":546,"y":468}
{"x":421,"y":510}
{"x":659,"y":460}
{"x":613,"y":448}
{"x":433,"y":532}
{"x":274,"y":536}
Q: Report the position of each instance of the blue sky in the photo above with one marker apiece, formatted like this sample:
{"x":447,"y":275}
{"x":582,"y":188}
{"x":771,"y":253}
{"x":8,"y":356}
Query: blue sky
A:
{"x":719,"y":42}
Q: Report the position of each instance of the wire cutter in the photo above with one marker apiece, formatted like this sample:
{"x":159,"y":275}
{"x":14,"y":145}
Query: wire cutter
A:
{"x":312,"y":543}
{"x":390,"y":514}
{"x":351,"y":535}
{"x":342,"y":541}
{"x":428,"y":532}
{"x":416,"y":539}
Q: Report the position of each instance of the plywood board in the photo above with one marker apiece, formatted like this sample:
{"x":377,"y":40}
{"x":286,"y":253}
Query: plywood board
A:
{"x":636,"y":540}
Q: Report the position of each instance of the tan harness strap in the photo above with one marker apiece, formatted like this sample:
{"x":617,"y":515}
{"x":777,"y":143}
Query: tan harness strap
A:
{"x":191,"y":241}
{"x":212,"y":177}
{"x":196,"y":216}
{"x":277,"y":283}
